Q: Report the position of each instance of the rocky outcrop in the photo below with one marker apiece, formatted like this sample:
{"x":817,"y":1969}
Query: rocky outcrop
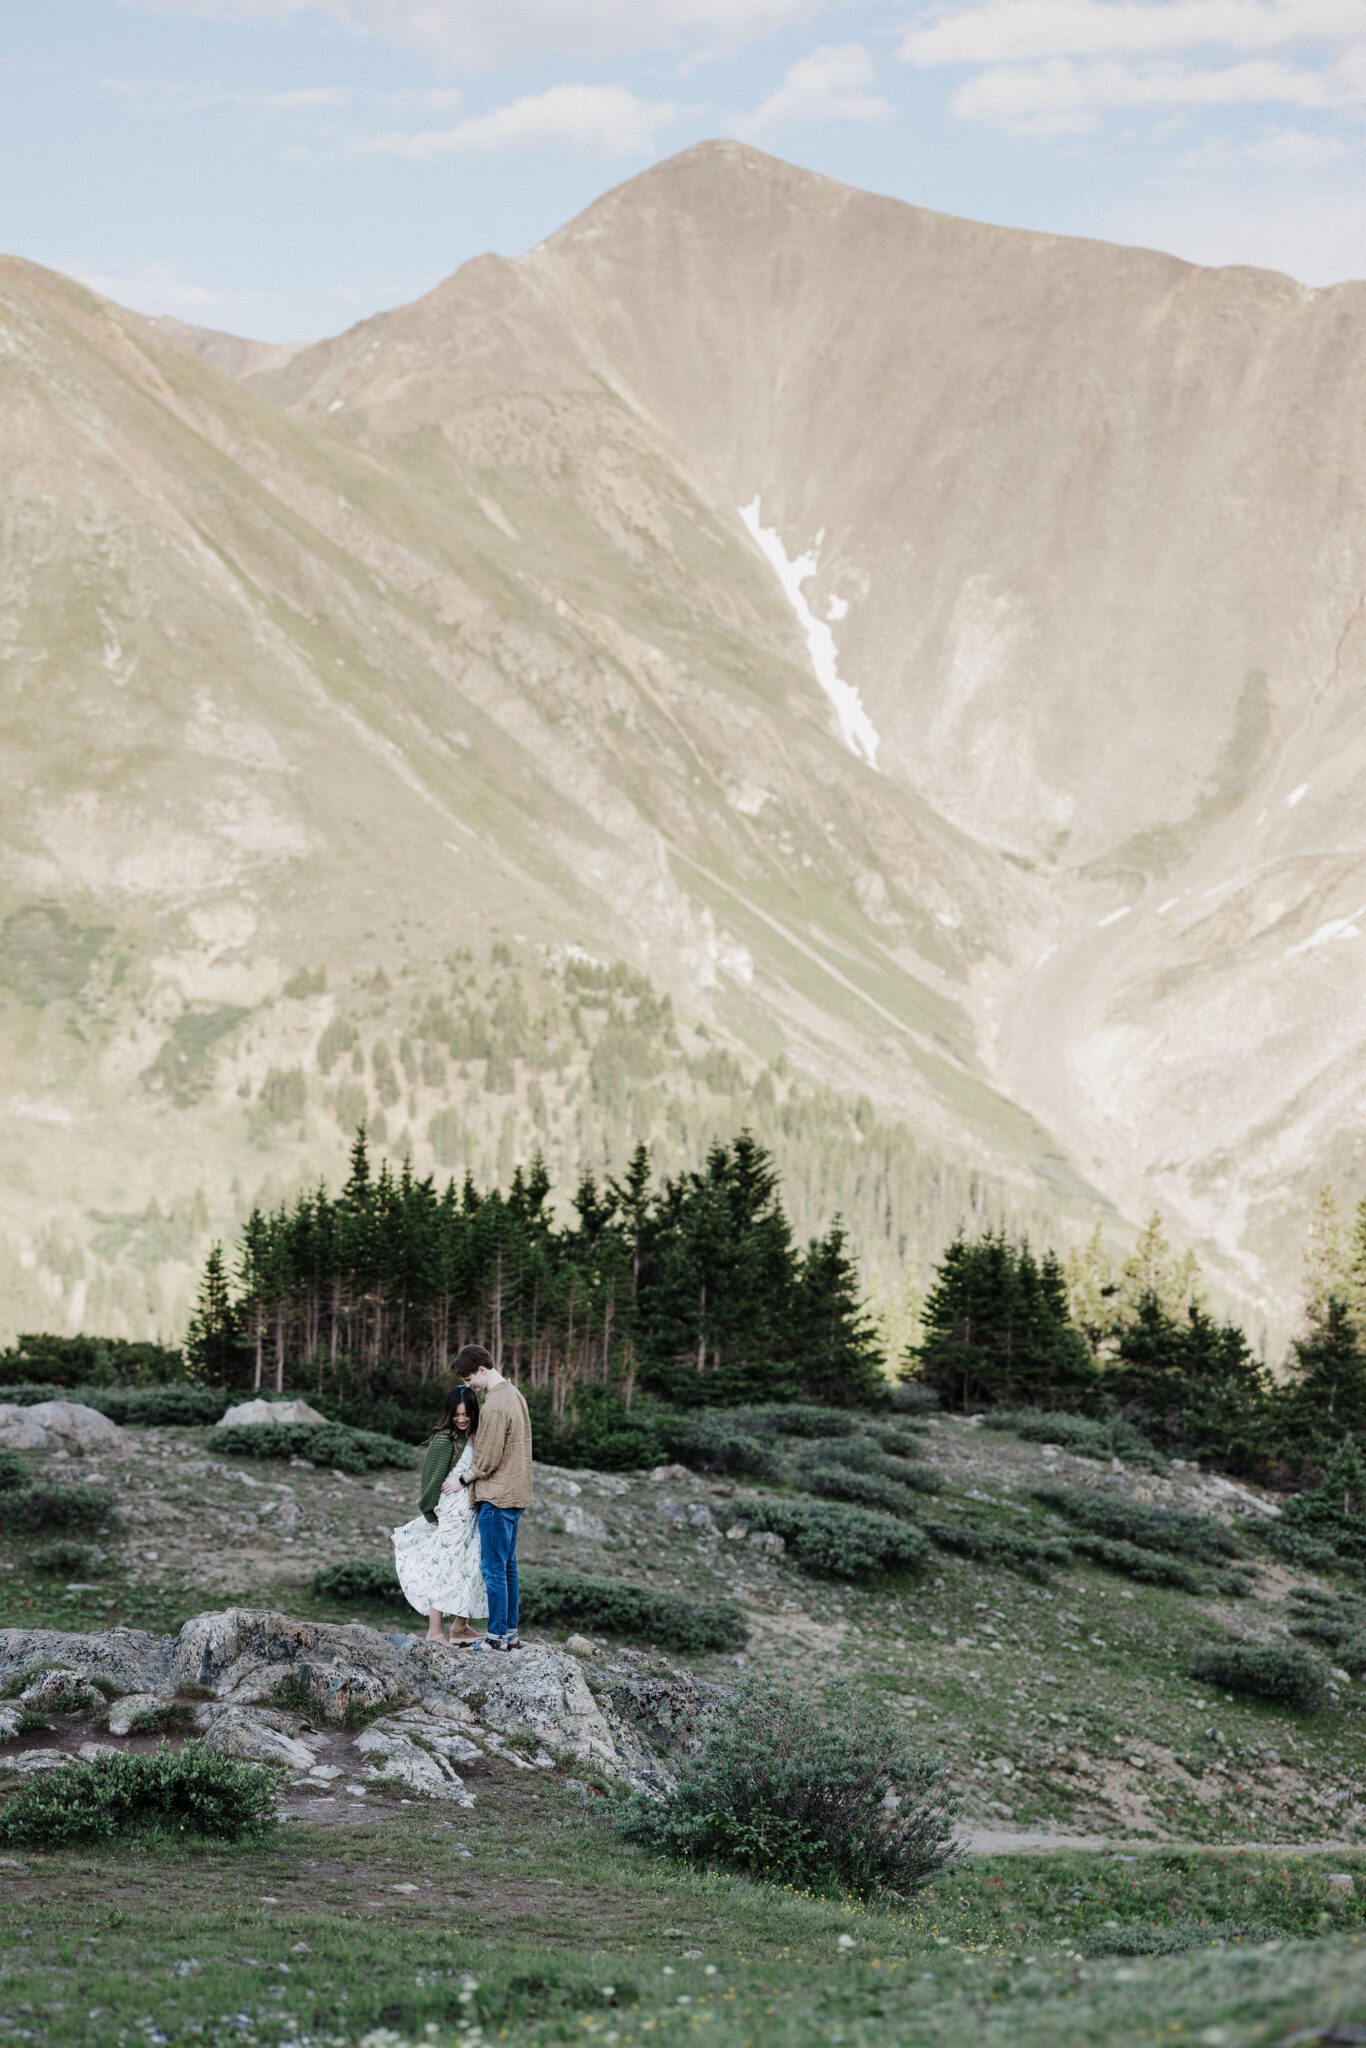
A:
{"x":120,"y":1661}
{"x":67,"y":1426}
{"x":273,"y":1689}
{"x":269,"y":1411}
{"x":248,"y":1657}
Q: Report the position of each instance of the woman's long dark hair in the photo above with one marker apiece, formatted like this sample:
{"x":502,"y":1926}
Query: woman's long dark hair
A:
{"x":458,"y":1397}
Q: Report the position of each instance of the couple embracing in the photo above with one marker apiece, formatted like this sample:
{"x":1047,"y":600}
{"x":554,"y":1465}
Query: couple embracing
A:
{"x":458,"y":1556}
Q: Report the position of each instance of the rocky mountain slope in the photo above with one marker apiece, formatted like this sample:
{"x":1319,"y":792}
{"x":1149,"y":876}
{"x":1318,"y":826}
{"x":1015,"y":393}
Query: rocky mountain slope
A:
{"x":926,"y":651}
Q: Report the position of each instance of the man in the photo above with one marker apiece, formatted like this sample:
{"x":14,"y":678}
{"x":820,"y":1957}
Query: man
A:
{"x":499,"y":1481}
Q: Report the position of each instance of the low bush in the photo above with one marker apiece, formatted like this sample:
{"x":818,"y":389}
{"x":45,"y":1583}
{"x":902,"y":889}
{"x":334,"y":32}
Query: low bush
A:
{"x":988,"y":1543}
{"x":360,"y":1578}
{"x":166,"y":1407}
{"x":1297,"y":1547}
{"x":186,"y":1791}
{"x":1087,"y":1436}
{"x":713,"y":1443}
{"x":1175,"y":1530}
{"x":796,"y":1418}
{"x":1280,"y":1672}
{"x":1337,"y":1620}
{"x":866,"y":1489}
{"x":599,"y":1431}
{"x":837,"y":1542}
{"x":64,"y":1557}
{"x":14,"y":1473}
{"x":57,"y":1507}
{"x":901,"y":1438}
{"x":591,"y":1600}
{"x":580,"y":1599}
{"x":322,"y":1443}
{"x":1334,"y":1512}
{"x":66,"y":1362}
{"x":859,"y":1458}
{"x":832,"y":1802}
{"x":1149,"y":1567}
{"x":174,"y":1405}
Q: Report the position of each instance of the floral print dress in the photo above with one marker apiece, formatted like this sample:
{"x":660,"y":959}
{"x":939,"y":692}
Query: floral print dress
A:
{"x":438,"y":1563}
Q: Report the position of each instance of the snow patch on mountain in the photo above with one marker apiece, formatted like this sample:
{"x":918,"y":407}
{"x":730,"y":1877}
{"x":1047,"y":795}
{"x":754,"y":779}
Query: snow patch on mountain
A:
{"x":856,"y":727}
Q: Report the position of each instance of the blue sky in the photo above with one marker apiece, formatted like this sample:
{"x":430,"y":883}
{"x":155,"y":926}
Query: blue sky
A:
{"x":284,"y":167}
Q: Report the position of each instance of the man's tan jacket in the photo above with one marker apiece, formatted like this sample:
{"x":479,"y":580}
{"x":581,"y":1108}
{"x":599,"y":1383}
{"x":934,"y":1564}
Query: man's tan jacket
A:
{"x":500,"y":1472}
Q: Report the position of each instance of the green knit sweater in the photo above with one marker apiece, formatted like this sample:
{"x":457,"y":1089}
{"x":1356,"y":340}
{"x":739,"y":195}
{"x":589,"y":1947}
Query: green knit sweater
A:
{"x":436,"y":1468}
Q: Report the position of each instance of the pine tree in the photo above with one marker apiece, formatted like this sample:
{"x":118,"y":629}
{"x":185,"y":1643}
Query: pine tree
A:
{"x":1325,"y":1258}
{"x":214,"y":1347}
{"x":1327,"y":1396}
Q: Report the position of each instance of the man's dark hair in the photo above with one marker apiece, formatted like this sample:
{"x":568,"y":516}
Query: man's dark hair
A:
{"x":471,"y":1358}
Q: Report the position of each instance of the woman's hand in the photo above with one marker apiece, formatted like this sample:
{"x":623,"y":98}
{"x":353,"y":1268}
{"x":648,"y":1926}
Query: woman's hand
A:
{"x":451,"y":1485}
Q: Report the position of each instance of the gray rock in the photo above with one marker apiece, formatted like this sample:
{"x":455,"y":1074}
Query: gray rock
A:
{"x":247,"y":1656}
{"x":538,"y":1696}
{"x":580,"y":1646}
{"x":700,"y":1517}
{"x":63,"y":1426}
{"x":580,"y":1522}
{"x":661,"y":1472}
{"x":10,"y":1717}
{"x":667,"y":1708}
{"x":394,"y":1754}
{"x":60,"y":1690}
{"x":122,"y":1660}
{"x":237,"y":1732}
{"x":1341,"y":1881}
{"x":137,"y":1713}
{"x":767,"y":1541}
{"x":250,"y":1412}
{"x":29,"y":1762}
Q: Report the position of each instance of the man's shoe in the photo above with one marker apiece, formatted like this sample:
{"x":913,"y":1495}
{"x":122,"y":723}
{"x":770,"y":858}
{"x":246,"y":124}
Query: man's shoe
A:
{"x":487,"y":1643}
{"x":513,"y":1642}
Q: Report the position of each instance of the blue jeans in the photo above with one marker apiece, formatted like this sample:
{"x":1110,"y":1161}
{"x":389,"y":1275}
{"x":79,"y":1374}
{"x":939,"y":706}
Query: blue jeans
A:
{"x":498,"y":1563}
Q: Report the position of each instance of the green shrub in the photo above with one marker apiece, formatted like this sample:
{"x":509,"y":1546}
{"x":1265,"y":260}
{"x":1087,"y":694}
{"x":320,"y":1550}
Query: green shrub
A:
{"x":901,"y":1438}
{"x":1149,"y":1567}
{"x":1339,"y":1620}
{"x":795,"y":1418}
{"x":1104,"y":1513}
{"x":865,"y":1490}
{"x":829,"y":1801}
{"x":988,"y":1543}
{"x":859,"y":1462}
{"x":599,"y":1431}
{"x":14,"y":1473}
{"x":838,"y":1542}
{"x":1296,"y":1546}
{"x":581,"y":1599}
{"x":713,"y":1443}
{"x":322,"y":1443}
{"x":1280,"y":1672}
{"x":65,"y":1557}
{"x":1334,"y":1512}
{"x":591,"y":1600}
{"x":57,"y":1507}
{"x":360,"y":1578}
{"x":166,"y":1407}
{"x":1086,"y":1436}
{"x":66,"y":1362}
{"x":192,"y":1790}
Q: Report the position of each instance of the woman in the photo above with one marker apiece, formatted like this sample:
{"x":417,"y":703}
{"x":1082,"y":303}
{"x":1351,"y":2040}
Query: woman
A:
{"x":437,"y":1553}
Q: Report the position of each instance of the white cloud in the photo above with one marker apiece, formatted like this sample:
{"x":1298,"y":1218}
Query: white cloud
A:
{"x":832,"y":84}
{"x":1065,"y":97}
{"x":172,"y":96}
{"x":605,"y":120}
{"x":1297,"y":148}
{"x":1020,"y":31}
{"x":1047,"y":67}
{"x":475,"y":32}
